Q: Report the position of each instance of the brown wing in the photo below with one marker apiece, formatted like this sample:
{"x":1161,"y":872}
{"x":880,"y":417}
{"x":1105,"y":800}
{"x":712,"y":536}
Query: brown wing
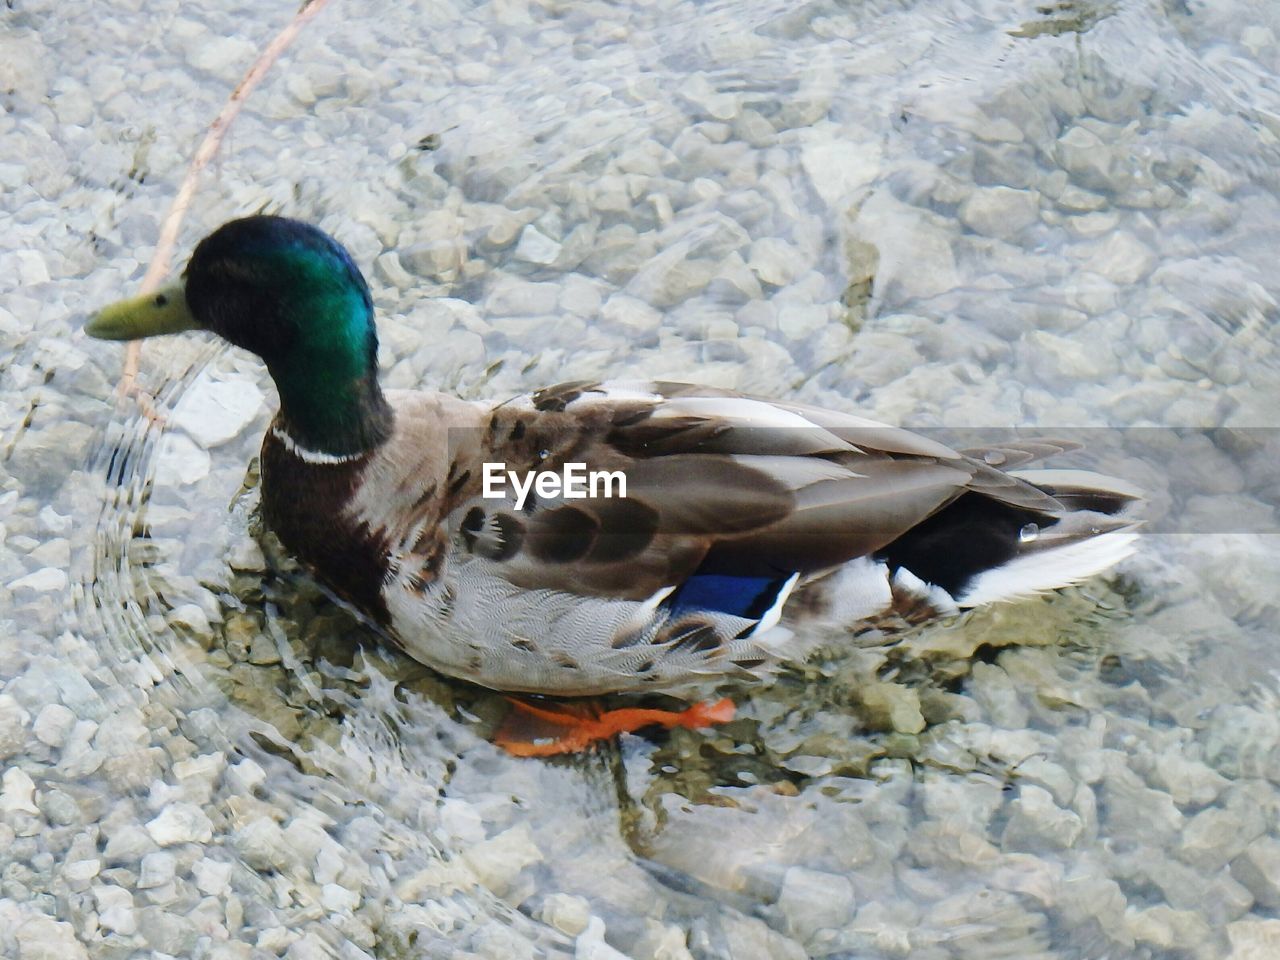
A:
{"x":715,"y":482}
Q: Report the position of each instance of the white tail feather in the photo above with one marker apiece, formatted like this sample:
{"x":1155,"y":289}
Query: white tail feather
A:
{"x":1078,"y":480}
{"x":1043,"y":570}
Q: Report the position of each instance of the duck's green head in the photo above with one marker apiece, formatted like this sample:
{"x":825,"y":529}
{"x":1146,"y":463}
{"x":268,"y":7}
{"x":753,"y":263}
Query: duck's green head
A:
{"x":290,"y":293}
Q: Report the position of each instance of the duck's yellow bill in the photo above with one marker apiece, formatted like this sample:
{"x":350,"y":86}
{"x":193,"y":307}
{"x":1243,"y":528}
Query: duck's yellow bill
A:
{"x":164,"y":311}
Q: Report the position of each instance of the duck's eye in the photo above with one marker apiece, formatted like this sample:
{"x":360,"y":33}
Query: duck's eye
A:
{"x":161,"y":300}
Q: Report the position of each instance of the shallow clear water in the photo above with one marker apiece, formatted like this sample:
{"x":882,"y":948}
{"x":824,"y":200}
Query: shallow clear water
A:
{"x":968,"y":216}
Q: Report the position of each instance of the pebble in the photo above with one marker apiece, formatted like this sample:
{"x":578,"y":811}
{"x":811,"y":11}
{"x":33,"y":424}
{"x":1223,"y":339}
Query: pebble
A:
{"x":1257,"y":868}
{"x":43,"y":938}
{"x":59,"y":808}
{"x":17,"y":792}
{"x":213,"y":412}
{"x":80,"y":872}
{"x":157,"y":869}
{"x":338,"y":898}
{"x":591,"y":944}
{"x":497,"y":861}
{"x":128,"y":844}
{"x":892,"y":706}
{"x":1000,"y":211}
{"x":1257,"y":38}
{"x":180,"y":823}
{"x":775,"y":261}
{"x":45,"y":580}
{"x":115,"y":909}
{"x":1036,"y":822}
{"x":510,"y":296}
{"x":837,"y":168}
{"x":567,"y":913}
{"x":212,"y":877}
{"x":53,"y":725}
{"x":536,"y":247}
{"x":13,"y":723}
{"x":263,"y":846}
{"x":811,"y":900}
{"x":1121,"y":257}
{"x":631,"y":313}
{"x":182,"y":461}
{"x":221,"y":55}
{"x":1254,"y":939}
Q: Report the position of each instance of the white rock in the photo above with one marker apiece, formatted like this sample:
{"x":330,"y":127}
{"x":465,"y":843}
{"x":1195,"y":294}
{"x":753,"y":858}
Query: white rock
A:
{"x":1121,"y":257}
{"x":192,"y":617}
{"x":631,"y":312}
{"x":1254,"y":939}
{"x":1218,"y":834}
{"x":81,"y":871}
{"x":53,"y":724}
{"x":461,"y":821}
{"x":735,"y":278}
{"x":1187,"y":781}
{"x":1000,"y":211}
{"x":837,"y":167}
{"x":43,"y":938}
{"x":127,"y":844}
{"x":389,"y":266}
{"x":338,"y":898}
{"x":45,"y":580}
{"x":13,"y":723}
{"x":510,"y":297}
{"x":246,"y":555}
{"x":115,"y":909}
{"x":330,"y":864}
{"x":567,"y":913}
{"x":590,"y":944}
{"x":580,"y":296}
{"x":1035,"y":821}
{"x":671,"y":277}
{"x":775,"y":261}
{"x":247,"y":775}
{"x":799,"y":320}
{"x":53,"y":553}
{"x":473,"y":72}
{"x":1257,"y":38}
{"x":498,"y":861}
{"x":157,"y":869}
{"x":263,"y":846}
{"x":813,"y":900}
{"x":198,"y":776}
{"x":1076,"y":198}
{"x":700,"y":92}
{"x":181,"y":461}
{"x":32,"y":268}
{"x":221,"y":55}
{"x":53,"y":522}
{"x":661,"y":942}
{"x":1071,"y":358}
{"x":212,"y":877}
{"x":1083,"y":153}
{"x":180,"y":823}
{"x":215,"y":411}
{"x":1258,"y":869}
{"x":17,"y":794}
{"x":916,"y":259}
{"x":535,"y":246}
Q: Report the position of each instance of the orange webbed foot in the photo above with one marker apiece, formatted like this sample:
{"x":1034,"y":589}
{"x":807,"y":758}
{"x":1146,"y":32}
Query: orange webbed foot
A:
{"x":571,"y":730}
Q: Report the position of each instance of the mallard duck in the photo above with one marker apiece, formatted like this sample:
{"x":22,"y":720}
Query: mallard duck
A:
{"x":684,"y":531}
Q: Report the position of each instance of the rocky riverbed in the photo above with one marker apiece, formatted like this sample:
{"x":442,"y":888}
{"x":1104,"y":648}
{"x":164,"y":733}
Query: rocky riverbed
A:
{"x":948,"y":215}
